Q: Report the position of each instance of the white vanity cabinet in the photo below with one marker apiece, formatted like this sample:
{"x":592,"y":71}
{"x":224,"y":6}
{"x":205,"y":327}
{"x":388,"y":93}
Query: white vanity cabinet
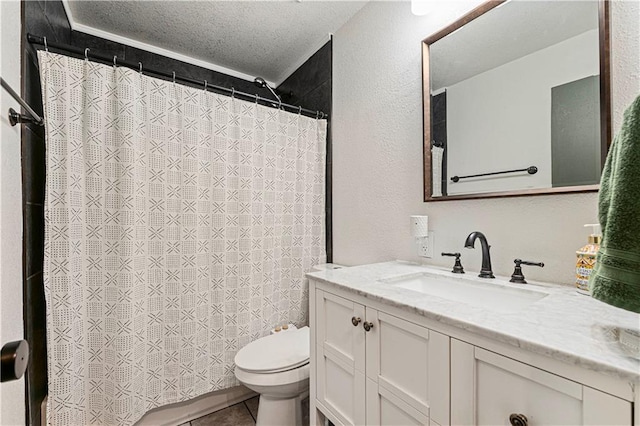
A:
{"x":378,"y":364}
{"x":377,"y":369}
{"x":490,"y":389}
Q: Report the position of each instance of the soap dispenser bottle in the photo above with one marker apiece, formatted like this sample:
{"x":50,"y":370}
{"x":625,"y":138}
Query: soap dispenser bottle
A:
{"x":586,"y":259}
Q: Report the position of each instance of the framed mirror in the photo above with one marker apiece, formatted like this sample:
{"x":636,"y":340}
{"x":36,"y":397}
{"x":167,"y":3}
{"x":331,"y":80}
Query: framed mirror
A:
{"x":516,"y":99}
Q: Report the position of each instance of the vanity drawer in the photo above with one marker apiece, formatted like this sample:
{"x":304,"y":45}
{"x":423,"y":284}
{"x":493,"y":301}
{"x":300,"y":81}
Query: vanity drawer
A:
{"x":488,"y":389}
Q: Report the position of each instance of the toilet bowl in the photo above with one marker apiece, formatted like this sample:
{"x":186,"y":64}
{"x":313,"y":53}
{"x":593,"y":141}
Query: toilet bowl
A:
{"x":277,"y":367}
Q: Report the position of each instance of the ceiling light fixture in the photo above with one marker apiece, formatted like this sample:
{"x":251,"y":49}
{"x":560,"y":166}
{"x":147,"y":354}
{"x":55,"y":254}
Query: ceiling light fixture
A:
{"x":420,"y":7}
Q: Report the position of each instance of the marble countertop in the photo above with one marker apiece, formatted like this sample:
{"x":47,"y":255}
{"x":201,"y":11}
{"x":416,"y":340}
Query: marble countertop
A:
{"x":564,"y":325}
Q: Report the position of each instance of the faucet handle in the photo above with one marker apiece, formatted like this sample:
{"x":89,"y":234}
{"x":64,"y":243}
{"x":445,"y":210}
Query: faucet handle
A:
{"x":518,"y":276}
{"x":457,"y":268}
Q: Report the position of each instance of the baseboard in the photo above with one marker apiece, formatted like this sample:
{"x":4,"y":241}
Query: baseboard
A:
{"x":182,"y":412}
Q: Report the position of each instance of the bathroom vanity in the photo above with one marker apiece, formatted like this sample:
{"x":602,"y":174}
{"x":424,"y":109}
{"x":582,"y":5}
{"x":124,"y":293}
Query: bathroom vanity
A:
{"x":397,"y":343}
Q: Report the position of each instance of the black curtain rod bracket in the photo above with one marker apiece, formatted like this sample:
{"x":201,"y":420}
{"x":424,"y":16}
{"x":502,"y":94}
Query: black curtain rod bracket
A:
{"x":532,"y":170}
{"x":137,"y":66}
{"x":14,"y":116}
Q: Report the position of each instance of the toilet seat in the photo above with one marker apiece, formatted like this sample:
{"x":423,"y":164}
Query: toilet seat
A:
{"x":296,"y":376}
{"x":275,"y":353}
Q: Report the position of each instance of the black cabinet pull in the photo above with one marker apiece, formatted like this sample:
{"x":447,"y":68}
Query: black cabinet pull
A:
{"x":367,"y":325}
{"x":355,"y":321}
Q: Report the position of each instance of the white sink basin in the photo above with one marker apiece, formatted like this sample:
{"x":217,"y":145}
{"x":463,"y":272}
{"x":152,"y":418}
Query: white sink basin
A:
{"x":494,"y":296}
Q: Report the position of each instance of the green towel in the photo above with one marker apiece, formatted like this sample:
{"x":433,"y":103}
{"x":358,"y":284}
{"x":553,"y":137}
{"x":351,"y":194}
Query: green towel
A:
{"x":616,"y":276}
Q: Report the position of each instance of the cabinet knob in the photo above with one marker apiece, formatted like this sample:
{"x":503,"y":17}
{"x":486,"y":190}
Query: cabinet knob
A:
{"x":355,"y":321}
{"x":367,"y":325}
{"x":518,"y":420}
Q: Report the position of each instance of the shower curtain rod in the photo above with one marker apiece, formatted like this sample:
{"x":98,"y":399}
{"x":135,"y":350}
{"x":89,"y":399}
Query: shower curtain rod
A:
{"x":14,"y":116}
{"x":88,"y":53}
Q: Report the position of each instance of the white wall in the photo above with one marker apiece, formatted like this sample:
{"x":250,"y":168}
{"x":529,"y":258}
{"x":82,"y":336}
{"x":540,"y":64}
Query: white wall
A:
{"x":508,"y":109}
{"x":12,"y":408}
{"x":377,"y":152}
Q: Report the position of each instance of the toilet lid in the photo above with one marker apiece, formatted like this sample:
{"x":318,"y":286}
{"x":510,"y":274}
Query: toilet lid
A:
{"x":277,"y":352}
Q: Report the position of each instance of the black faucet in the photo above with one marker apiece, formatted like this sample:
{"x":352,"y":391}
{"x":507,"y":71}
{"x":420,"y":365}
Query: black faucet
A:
{"x":485,"y":271}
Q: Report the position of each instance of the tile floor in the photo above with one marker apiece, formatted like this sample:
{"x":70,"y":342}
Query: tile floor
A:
{"x":241,"y":414}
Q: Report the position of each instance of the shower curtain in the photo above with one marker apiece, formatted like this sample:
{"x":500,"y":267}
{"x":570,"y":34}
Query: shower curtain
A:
{"x":179,"y":225}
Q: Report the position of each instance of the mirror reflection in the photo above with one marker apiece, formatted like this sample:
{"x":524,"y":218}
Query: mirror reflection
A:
{"x":515,"y":100}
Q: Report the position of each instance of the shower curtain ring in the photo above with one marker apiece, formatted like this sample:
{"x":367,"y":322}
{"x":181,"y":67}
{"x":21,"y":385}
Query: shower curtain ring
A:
{"x":115,"y":58}
{"x":46,"y":46}
{"x":299,"y":110}
{"x":86,"y":54}
{"x":233,"y":92}
{"x":140,"y":63}
{"x":205,"y":85}
{"x":256,"y":99}
{"x":279,"y":103}
{"x":321,"y":115}
{"x":174,"y":77}
{"x":317,"y":114}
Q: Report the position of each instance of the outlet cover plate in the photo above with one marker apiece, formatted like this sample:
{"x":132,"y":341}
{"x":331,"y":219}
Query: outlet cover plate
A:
{"x":425,"y":246}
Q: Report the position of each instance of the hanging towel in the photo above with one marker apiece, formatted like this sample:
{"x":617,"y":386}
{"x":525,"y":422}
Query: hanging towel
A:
{"x":616,"y":277}
{"x":436,"y":170}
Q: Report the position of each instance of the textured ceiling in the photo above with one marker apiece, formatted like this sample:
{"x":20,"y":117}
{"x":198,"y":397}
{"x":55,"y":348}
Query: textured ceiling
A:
{"x":255,"y":38}
{"x":511,"y":31}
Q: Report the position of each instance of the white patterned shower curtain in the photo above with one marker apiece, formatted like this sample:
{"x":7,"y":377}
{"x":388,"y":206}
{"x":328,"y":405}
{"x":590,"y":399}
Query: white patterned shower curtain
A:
{"x":179,"y":225}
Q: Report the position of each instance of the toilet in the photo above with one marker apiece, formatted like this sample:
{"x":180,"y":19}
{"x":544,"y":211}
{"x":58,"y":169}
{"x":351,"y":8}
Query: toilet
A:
{"x":277,"y":367}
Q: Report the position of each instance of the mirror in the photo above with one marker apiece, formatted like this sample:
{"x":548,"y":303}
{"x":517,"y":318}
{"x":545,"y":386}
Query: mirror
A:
{"x":516,"y":100}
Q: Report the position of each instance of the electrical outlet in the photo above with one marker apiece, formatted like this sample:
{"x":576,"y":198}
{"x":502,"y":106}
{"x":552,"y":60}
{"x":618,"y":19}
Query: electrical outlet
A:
{"x":425,"y":246}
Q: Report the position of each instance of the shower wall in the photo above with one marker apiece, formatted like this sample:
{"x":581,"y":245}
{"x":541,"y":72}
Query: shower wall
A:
{"x":311,"y":85}
{"x":46,"y":18}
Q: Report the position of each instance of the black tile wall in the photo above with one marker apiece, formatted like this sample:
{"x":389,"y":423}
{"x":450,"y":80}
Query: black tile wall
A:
{"x":311,"y":83}
{"x":32,"y":90}
{"x":36,"y":329}
{"x":57,"y":17}
{"x":34,"y":239}
{"x":46,"y":19}
{"x":439,"y":108}
{"x":33,"y":157}
{"x":311,"y":87}
{"x":97,"y":43}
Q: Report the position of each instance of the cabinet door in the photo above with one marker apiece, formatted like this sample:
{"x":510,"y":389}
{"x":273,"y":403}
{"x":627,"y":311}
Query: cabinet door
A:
{"x":340,"y":355}
{"x":487,"y":388}
{"x":384,"y":408}
{"x":407,"y":372}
